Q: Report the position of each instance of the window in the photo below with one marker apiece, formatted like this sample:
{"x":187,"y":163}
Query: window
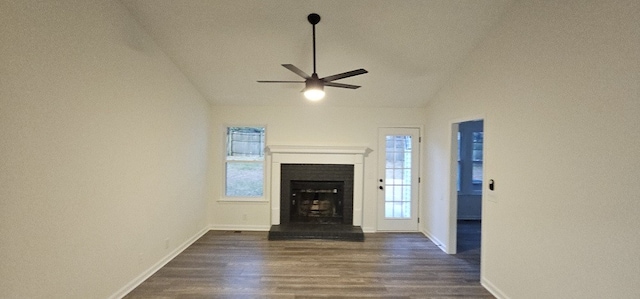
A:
{"x":244,"y":162}
{"x":476,"y":160}
{"x":459,"y":162}
{"x":470,"y":142}
{"x":398,"y":177}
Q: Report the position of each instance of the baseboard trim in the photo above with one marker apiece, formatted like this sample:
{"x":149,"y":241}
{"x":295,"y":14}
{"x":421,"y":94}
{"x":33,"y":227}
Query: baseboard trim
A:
{"x":153,"y":269}
{"x":492,"y":289}
{"x":435,"y":240}
{"x":260,"y":228}
{"x":368,"y":230}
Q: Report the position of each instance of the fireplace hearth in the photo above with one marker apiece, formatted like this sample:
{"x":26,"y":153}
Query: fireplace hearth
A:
{"x":301,"y":231}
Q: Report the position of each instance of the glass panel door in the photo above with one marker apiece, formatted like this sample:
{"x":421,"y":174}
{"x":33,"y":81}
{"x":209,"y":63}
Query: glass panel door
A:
{"x":398,"y":183}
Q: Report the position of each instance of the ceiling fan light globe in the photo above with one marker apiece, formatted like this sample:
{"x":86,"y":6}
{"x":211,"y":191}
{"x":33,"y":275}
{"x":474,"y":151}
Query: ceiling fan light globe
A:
{"x":314,"y":94}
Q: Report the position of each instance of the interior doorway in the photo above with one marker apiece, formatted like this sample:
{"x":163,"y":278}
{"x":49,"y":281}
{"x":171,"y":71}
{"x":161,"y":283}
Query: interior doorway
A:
{"x":467,"y":152}
{"x":469,"y":185}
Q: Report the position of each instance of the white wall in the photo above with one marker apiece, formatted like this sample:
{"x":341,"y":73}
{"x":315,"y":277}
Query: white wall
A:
{"x":307,"y":124}
{"x":557,"y":84}
{"x":103,"y":152}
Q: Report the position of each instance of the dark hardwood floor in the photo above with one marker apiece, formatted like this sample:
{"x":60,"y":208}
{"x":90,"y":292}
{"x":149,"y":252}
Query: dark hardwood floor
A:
{"x":468,"y":240}
{"x":247,"y":265}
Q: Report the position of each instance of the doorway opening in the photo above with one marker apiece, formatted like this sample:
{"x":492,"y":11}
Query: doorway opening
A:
{"x":467,"y":181}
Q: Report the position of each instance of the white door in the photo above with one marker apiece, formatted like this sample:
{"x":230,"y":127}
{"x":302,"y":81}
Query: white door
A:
{"x":398,"y":160}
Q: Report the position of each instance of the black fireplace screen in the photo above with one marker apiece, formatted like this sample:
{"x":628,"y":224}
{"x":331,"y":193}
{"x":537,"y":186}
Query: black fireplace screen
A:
{"x":317,"y":201}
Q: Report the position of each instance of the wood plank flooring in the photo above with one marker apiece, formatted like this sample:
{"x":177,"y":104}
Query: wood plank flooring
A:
{"x":247,"y":265}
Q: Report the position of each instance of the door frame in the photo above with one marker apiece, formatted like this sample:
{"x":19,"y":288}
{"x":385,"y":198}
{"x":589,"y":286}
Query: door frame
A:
{"x":417,"y":182}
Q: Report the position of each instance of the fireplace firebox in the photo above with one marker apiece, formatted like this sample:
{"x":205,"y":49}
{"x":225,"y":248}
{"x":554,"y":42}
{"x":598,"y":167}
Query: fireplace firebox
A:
{"x":317,"y":201}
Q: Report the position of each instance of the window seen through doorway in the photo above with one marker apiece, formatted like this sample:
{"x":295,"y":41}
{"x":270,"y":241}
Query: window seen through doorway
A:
{"x":470,"y":147}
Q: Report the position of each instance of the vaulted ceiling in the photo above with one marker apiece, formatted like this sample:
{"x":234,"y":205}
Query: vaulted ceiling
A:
{"x":410,"y":48}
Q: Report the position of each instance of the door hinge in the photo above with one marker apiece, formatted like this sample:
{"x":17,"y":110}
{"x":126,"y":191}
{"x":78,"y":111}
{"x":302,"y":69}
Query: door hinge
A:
{"x":418,"y":219}
{"x":419,"y":139}
{"x":419,"y":180}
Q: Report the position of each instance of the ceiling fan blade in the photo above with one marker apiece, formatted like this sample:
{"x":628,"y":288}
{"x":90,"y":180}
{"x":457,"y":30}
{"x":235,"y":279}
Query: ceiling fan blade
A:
{"x":332,"y":84}
{"x":262,"y":81}
{"x":296,"y":70}
{"x":344,"y":75}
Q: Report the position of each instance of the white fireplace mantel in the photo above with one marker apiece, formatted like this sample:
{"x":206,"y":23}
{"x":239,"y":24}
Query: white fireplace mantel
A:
{"x":297,"y":149}
{"x":293,"y":154}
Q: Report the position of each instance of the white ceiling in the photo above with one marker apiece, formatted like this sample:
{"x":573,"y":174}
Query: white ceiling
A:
{"x":410,"y":48}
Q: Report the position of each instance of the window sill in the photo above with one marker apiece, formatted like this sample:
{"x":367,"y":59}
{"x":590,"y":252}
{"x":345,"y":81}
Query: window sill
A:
{"x":243,"y":199}
{"x":470,"y":194}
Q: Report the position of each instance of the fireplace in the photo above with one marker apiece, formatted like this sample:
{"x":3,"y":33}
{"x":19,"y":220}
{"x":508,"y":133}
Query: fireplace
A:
{"x":316,"y":193}
{"x":280,"y":188}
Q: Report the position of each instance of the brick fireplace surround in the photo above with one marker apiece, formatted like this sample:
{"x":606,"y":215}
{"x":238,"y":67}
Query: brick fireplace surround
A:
{"x":338,"y":175}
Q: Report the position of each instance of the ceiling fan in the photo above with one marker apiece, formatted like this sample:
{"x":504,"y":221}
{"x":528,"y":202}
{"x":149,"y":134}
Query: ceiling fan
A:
{"x":314,"y":86}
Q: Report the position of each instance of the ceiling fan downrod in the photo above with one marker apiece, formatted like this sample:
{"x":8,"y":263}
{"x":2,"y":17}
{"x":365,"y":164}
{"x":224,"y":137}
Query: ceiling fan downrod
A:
{"x":314,"y":19}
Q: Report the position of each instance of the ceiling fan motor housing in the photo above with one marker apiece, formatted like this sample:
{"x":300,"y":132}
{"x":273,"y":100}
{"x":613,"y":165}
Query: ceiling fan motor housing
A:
{"x":314,"y":83}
